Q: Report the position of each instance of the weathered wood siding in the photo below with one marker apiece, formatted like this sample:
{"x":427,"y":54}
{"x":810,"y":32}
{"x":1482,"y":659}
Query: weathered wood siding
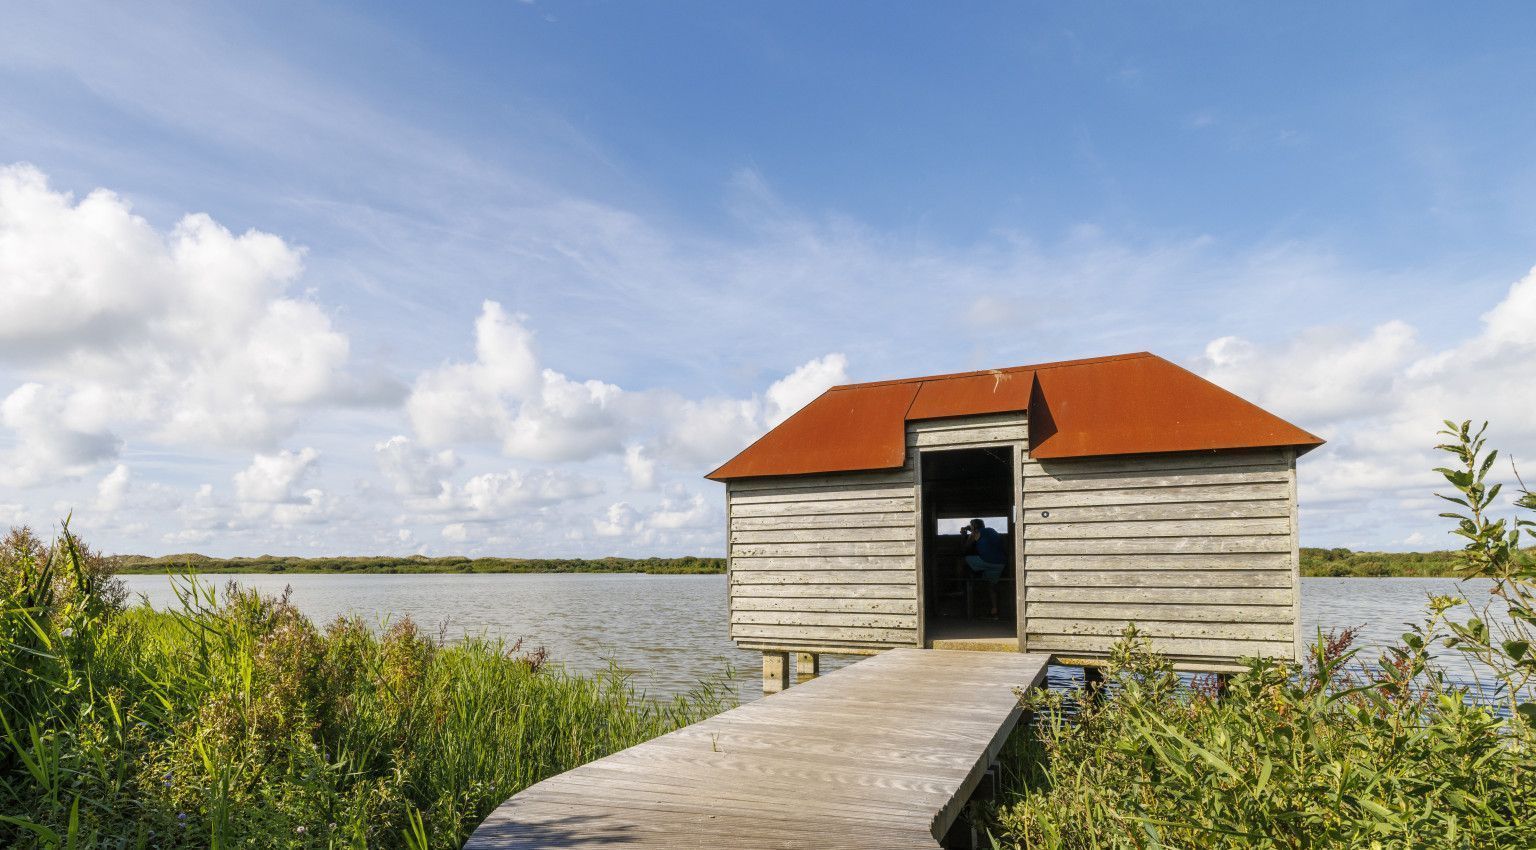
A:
{"x":966,"y":432}
{"x":824,"y":561}
{"x":1199,"y":550}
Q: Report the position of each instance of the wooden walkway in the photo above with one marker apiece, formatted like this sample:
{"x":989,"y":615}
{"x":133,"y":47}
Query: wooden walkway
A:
{"x":883,"y":754}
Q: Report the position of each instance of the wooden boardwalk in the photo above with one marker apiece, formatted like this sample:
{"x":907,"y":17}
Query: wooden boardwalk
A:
{"x":882,"y":754}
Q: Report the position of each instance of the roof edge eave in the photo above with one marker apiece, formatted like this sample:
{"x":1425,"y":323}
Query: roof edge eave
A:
{"x":852,"y":470}
{"x":1302,"y":447}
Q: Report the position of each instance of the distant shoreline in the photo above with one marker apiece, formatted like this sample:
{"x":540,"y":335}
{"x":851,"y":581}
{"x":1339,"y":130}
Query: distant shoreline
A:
{"x":1315,"y":562}
{"x":1344,"y":563}
{"x":282,"y":565}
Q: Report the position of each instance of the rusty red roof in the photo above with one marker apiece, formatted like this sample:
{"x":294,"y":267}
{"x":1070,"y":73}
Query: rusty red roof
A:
{"x":1125,"y":404}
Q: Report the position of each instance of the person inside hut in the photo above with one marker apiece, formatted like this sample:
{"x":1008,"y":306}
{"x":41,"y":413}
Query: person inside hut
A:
{"x":985,"y":556}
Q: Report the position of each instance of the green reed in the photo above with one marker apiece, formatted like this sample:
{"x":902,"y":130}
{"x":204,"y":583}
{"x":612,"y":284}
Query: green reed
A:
{"x":233,"y":721}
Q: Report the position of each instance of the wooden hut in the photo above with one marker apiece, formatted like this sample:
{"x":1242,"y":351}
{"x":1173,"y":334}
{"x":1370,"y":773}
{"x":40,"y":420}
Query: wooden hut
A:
{"x":1127,"y":489}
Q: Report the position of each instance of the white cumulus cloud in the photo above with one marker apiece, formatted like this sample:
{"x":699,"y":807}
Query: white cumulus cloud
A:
{"x":113,"y":488}
{"x":412,"y":470}
{"x":1379,"y":396}
{"x":272,"y":487}
{"x":192,"y":336}
{"x":640,"y":468}
{"x":532,"y":412}
{"x":506,"y":494}
{"x":681,"y":511}
{"x":58,"y":432}
{"x":503,"y":395}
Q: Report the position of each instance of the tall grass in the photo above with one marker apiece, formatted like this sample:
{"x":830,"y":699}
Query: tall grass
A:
{"x":1334,"y":753}
{"x":234,"y":721}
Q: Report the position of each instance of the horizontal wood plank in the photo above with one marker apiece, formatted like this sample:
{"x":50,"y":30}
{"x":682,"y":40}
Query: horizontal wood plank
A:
{"x":1188,"y":609}
{"x":826,"y":634}
{"x":821,"y":549}
{"x":1194,"y":528}
{"x":823,"y":561}
{"x":830,"y":539}
{"x":750,"y":486}
{"x":1082,"y":597}
{"x":1159,"y":545}
{"x":805,"y":495}
{"x":1163,"y":628}
{"x":1250,"y":509}
{"x":1177,"y":561}
{"x":1269,"y":473}
{"x":870,"y":520}
{"x":1173,"y":647}
{"x":855,"y":604}
{"x":1036,"y":499}
{"x":1079,"y":579}
{"x":841,"y":619}
{"x":748,"y":595}
{"x":966,"y":436}
{"x":859,"y":506}
{"x":966,"y":423}
{"x":907,"y":578}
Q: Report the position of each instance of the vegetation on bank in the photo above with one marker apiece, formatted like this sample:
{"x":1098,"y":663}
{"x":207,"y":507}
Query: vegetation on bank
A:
{"x":1334,"y":753}
{"x":414,"y":564}
{"x":1314,"y":562}
{"x":235,"y":721}
{"x":1345,"y":562}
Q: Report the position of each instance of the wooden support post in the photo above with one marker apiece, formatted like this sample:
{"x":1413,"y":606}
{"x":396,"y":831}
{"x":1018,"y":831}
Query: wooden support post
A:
{"x":775,"y":672}
{"x":807,"y":666}
{"x":1093,"y":680}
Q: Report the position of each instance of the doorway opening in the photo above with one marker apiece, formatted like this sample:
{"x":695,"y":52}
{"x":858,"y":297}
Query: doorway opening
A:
{"x":968,"y":580}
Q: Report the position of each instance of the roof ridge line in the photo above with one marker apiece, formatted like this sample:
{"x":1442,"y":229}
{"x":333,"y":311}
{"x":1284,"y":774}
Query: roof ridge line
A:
{"x":1037,"y":367}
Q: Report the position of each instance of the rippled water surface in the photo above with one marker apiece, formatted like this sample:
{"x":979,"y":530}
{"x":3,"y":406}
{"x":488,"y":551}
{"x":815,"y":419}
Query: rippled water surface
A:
{"x":670,"y":631}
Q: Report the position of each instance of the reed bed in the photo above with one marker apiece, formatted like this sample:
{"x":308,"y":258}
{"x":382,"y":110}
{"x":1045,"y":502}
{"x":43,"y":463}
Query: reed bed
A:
{"x":233,"y":721}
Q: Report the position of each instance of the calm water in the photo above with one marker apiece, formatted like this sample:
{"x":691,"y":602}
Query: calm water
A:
{"x":669,"y":632}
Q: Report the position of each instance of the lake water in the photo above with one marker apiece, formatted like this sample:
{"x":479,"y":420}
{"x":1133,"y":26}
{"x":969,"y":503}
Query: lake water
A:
{"x":669,"y":632}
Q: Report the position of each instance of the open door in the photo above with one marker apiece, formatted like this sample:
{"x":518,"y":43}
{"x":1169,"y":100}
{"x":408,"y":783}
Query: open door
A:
{"x":968,"y":599}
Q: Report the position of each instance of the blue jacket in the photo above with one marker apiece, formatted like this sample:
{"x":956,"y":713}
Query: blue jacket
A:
{"x":989,"y":546}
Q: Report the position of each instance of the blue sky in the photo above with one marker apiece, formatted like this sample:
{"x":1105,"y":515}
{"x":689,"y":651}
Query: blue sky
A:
{"x":508,"y":278}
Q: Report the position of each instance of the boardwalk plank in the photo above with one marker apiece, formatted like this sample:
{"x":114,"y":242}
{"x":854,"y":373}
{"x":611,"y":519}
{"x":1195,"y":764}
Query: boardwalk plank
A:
{"x":882,"y":753}
{"x":576,"y":824}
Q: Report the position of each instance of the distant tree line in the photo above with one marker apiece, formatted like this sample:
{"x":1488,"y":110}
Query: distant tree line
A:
{"x":416,"y":564}
{"x":1346,"y":562}
{"x":1314,"y":562}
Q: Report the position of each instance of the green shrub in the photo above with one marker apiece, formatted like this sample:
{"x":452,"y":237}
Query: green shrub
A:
{"x":235,"y":721}
{"x":1333,"y":753}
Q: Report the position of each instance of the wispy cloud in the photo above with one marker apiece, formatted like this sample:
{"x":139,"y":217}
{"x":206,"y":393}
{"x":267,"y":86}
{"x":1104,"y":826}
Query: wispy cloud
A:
{"x":419,"y":314}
